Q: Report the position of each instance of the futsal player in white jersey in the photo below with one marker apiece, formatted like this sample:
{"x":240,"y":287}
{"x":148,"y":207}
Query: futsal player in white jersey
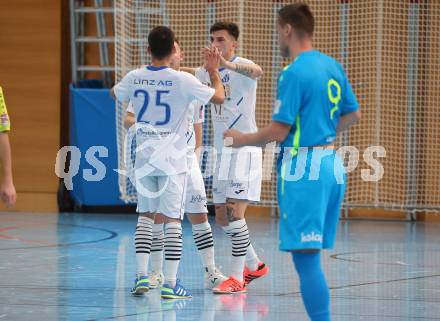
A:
{"x":160,"y":97}
{"x":238,"y":174}
{"x":195,"y":205}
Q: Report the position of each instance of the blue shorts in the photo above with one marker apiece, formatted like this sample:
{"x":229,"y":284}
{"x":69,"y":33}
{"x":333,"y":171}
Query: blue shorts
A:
{"x":311,"y":187}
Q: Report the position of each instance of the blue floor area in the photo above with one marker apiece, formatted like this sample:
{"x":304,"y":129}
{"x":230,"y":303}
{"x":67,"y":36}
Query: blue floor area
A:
{"x":81,"y":267}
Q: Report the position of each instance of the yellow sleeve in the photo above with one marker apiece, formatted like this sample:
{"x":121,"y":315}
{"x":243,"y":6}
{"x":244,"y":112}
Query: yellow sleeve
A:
{"x":5,"y":124}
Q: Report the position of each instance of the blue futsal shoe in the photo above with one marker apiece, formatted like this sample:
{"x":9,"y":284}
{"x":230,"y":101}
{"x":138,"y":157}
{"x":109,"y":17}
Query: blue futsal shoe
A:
{"x":141,"y":285}
{"x":178,"y":292}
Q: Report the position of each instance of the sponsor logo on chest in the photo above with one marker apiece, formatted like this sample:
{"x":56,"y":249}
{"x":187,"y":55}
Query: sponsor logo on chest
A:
{"x":153,"y":82}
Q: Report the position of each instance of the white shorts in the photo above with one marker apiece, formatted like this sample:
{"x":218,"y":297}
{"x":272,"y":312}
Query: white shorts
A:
{"x":195,"y":189}
{"x":238,"y":176}
{"x":162,"y":194}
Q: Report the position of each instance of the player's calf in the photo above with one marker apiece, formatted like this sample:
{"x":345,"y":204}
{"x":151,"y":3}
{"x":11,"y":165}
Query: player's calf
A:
{"x":143,"y":240}
{"x":237,"y":231}
{"x":156,"y":259}
{"x":254,"y":268}
{"x":204,"y":241}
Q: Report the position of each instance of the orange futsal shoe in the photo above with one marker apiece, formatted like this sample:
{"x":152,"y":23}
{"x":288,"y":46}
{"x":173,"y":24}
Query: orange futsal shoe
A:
{"x":249,"y":276}
{"x":228,"y":286}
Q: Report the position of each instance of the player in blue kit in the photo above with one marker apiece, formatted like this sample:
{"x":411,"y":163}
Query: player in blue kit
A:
{"x":314,"y":103}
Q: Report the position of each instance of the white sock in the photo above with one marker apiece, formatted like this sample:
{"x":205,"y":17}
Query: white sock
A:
{"x":156,"y":259}
{"x":252,"y":259}
{"x":142,"y":240}
{"x":202,"y":234}
{"x":173,"y":252}
{"x":239,"y":234}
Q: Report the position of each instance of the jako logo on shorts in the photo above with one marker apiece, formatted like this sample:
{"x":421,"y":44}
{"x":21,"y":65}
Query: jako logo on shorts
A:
{"x":197,"y":199}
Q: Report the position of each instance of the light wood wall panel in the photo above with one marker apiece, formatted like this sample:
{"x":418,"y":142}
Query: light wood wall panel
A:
{"x":30,"y":77}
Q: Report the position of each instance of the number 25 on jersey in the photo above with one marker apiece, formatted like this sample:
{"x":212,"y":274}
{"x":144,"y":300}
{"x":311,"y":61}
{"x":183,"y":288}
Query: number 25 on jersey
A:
{"x":159,"y":103}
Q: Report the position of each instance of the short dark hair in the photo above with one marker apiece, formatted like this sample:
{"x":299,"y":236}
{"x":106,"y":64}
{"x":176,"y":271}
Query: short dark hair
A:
{"x":161,"y":42}
{"x":299,"y":16}
{"x":230,"y":27}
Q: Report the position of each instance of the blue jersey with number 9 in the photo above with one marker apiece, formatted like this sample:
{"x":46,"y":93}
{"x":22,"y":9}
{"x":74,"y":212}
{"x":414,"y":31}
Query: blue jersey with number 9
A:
{"x":313,"y":92}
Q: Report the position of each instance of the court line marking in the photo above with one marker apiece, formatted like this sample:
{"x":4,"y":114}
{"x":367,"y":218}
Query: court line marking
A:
{"x":111,"y":236}
{"x":17,"y":238}
{"x":337,"y":256}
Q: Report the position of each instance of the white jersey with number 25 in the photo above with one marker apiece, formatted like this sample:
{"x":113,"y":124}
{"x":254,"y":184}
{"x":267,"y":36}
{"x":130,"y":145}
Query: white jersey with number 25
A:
{"x":161,"y":97}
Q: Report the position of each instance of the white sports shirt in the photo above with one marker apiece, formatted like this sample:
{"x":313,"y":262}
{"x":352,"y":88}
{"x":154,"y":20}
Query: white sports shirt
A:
{"x":196,"y":116}
{"x":238,"y":110}
{"x":161,"y":97}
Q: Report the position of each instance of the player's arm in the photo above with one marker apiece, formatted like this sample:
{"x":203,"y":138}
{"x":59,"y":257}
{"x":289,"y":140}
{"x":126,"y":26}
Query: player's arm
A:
{"x":275,"y":132}
{"x":189,"y":70}
{"x":216,"y":83}
{"x":349,"y":105}
{"x":198,"y":134}
{"x":112,"y":93}
{"x":7,"y":190}
{"x":249,"y":70}
{"x":348,"y":120}
{"x":285,"y":112}
{"x":120,"y":91}
{"x":129,"y":120}
{"x":212,"y":64}
{"x":350,"y":113}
